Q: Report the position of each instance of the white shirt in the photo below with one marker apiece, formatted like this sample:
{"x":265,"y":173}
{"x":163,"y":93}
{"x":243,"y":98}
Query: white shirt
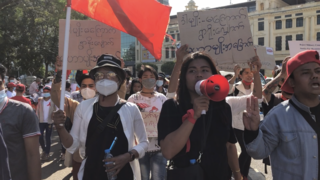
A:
{"x":146,"y":104}
{"x":11,"y":94}
{"x":33,"y":88}
{"x":133,"y":128}
{"x":46,"y":107}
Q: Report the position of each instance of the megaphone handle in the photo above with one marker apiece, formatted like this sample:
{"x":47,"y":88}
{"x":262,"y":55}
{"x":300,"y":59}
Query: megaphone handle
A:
{"x":203,"y":112}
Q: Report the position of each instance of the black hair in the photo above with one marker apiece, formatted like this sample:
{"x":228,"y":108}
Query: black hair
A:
{"x":68,"y":85}
{"x":19,"y":91}
{"x":134,"y":81}
{"x":276,"y":72}
{"x":150,"y":69}
{"x":3,"y":71}
{"x":11,"y":77}
{"x":183,"y":95}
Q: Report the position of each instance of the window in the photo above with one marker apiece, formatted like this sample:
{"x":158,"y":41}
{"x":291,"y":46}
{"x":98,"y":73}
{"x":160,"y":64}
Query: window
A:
{"x":289,"y":23}
{"x":167,"y":53}
{"x":279,"y":24}
{"x":173,"y":36}
{"x":318,"y":36}
{"x":277,"y":17}
{"x":260,"y":19}
{"x":288,"y":38}
{"x":173,"y":52}
{"x":299,"y":37}
{"x":137,"y":54}
{"x":318,"y":11}
{"x":261,"y":41}
{"x":178,"y":37}
{"x":278,"y":43}
{"x":299,"y":14}
{"x":251,"y":8}
{"x":261,"y":26}
{"x":167,"y":39}
{"x":299,"y":22}
{"x":318,"y":19}
{"x":261,"y":6}
{"x":289,"y":15}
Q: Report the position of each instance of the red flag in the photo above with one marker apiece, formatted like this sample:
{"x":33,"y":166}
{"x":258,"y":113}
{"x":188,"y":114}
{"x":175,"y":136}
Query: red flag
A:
{"x":147,"y":20}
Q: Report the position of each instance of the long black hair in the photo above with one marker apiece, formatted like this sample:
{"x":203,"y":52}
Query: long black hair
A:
{"x":132,"y":84}
{"x":183,"y":95}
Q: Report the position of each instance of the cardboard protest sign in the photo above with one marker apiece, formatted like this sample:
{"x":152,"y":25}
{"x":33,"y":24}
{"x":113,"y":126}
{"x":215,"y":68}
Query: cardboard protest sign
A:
{"x":298,"y":46}
{"x":266,"y":58}
{"x":151,"y":121}
{"x":87,"y":41}
{"x":223,"y":33}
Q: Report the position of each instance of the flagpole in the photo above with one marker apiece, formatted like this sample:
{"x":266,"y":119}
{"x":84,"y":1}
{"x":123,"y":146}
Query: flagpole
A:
{"x":65,"y":56}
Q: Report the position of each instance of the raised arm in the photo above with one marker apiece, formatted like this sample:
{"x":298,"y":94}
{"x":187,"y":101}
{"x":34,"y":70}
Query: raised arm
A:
{"x":271,"y":86}
{"x":174,"y":80}
{"x":255,"y":66}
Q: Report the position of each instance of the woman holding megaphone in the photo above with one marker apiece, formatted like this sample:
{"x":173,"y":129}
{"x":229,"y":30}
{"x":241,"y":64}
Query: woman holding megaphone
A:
{"x":196,"y":144}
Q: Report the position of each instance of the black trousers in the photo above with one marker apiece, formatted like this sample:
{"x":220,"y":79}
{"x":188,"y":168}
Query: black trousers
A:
{"x":244,"y":158}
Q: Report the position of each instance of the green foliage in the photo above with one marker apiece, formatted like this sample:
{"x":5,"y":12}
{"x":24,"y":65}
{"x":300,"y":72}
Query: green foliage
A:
{"x":167,"y":67}
{"x":129,"y":55}
{"x":155,"y":67}
{"x":29,"y":31}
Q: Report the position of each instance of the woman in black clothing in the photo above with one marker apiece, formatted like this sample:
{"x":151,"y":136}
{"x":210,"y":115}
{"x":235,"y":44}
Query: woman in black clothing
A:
{"x":182,"y":141}
{"x":135,"y":87}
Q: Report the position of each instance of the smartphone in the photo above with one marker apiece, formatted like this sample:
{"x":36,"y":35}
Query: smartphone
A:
{"x":178,"y":45}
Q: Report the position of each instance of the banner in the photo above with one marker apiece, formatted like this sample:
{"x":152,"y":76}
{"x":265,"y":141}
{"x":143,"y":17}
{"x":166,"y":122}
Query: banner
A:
{"x":222,"y":33}
{"x":88,"y":40}
{"x":151,"y":122}
{"x":266,"y":58}
{"x":146,"y":56}
{"x":298,"y":46}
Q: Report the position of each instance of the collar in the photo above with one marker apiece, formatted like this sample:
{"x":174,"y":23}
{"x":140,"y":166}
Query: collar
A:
{"x":300,"y":105}
{"x":241,"y":88}
{"x":97,"y":100}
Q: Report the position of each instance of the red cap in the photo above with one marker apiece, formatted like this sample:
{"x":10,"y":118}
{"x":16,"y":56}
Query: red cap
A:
{"x":11,"y":85}
{"x":20,"y":87}
{"x":47,"y":87}
{"x":296,"y":61}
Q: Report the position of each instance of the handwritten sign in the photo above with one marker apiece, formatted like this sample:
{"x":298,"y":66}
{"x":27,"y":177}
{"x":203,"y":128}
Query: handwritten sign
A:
{"x":151,"y":122}
{"x":223,"y":33}
{"x":298,"y":46}
{"x":87,"y":41}
{"x":266,"y":58}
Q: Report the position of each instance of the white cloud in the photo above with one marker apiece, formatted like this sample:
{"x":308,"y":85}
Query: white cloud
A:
{"x":179,"y":5}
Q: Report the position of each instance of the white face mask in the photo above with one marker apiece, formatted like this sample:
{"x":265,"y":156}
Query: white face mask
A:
{"x":106,"y":87}
{"x":88,"y":93}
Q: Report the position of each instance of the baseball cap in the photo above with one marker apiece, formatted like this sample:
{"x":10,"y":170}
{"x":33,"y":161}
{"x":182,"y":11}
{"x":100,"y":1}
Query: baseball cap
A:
{"x":11,"y":85}
{"x":296,"y":61}
{"x":47,"y":87}
{"x":20,"y":87}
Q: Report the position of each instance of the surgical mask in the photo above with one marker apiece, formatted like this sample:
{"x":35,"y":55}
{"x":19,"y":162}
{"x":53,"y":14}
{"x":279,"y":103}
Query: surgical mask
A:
{"x":88,"y":93}
{"x":148,"y":83}
{"x":3,"y":95}
{"x":12,"y":81}
{"x":159,"y":83}
{"x":106,"y":87}
{"x":14,"y":88}
{"x":46,"y":95}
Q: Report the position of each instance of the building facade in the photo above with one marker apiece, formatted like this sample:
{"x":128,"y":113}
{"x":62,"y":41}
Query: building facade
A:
{"x":128,"y":49}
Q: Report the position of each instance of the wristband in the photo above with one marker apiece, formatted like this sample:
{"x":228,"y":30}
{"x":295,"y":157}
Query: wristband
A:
{"x":189,"y":116}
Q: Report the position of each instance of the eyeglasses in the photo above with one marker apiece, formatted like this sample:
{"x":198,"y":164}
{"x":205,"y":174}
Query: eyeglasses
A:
{"x":108,"y":75}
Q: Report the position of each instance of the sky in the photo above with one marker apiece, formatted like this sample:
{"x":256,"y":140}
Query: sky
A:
{"x":179,"y":5}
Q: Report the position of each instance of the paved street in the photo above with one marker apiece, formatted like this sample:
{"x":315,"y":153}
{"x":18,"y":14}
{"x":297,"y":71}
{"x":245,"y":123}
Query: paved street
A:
{"x":53,"y":169}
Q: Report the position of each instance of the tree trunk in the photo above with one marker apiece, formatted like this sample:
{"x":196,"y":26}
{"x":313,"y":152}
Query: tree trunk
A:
{"x":46,"y":72}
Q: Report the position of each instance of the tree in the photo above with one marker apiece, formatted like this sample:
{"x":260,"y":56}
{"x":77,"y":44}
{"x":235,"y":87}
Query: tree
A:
{"x":29,"y":32}
{"x":167,"y":67}
{"x":129,"y":54}
{"x":155,"y":67}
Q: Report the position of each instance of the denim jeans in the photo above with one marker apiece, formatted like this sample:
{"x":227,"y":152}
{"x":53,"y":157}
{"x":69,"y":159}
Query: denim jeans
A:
{"x":154,"y":163}
{"x":48,"y":128}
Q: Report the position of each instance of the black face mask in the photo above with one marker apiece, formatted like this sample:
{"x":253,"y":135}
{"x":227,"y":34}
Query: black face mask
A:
{"x":128,"y":79}
{"x":279,"y":86}
{"x":165,"y":86}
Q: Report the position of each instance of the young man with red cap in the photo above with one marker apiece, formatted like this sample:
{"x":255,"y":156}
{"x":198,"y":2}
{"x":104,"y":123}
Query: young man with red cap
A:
{"x":20,"y":89}
{"x":11,"y":87}
{"x":290,"y":132}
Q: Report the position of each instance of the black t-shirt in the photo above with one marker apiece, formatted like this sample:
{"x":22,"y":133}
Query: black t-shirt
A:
{"x":274,"y":101}
{"x":214,"y":158}
{"x":316,"y":111}
{"x":104,"y":141}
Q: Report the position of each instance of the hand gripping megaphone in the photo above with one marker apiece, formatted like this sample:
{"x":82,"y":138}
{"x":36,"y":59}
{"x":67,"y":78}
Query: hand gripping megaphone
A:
{"x":216,"y":88}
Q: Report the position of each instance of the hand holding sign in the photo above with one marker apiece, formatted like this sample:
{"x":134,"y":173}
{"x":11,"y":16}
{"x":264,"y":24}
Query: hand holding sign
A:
{"x":181,"y":53}
{"x":255,"y":64}
{"x":58,"y":63}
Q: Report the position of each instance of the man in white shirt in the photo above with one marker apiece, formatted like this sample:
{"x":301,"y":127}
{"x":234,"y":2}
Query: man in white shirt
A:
{"x":44,"y":111}
{"x":34,"y":87}
{"x":11,"y":93}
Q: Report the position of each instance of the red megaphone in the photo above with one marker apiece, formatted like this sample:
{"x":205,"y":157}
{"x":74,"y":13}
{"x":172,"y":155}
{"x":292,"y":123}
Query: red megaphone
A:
{"x":216,"y":88}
